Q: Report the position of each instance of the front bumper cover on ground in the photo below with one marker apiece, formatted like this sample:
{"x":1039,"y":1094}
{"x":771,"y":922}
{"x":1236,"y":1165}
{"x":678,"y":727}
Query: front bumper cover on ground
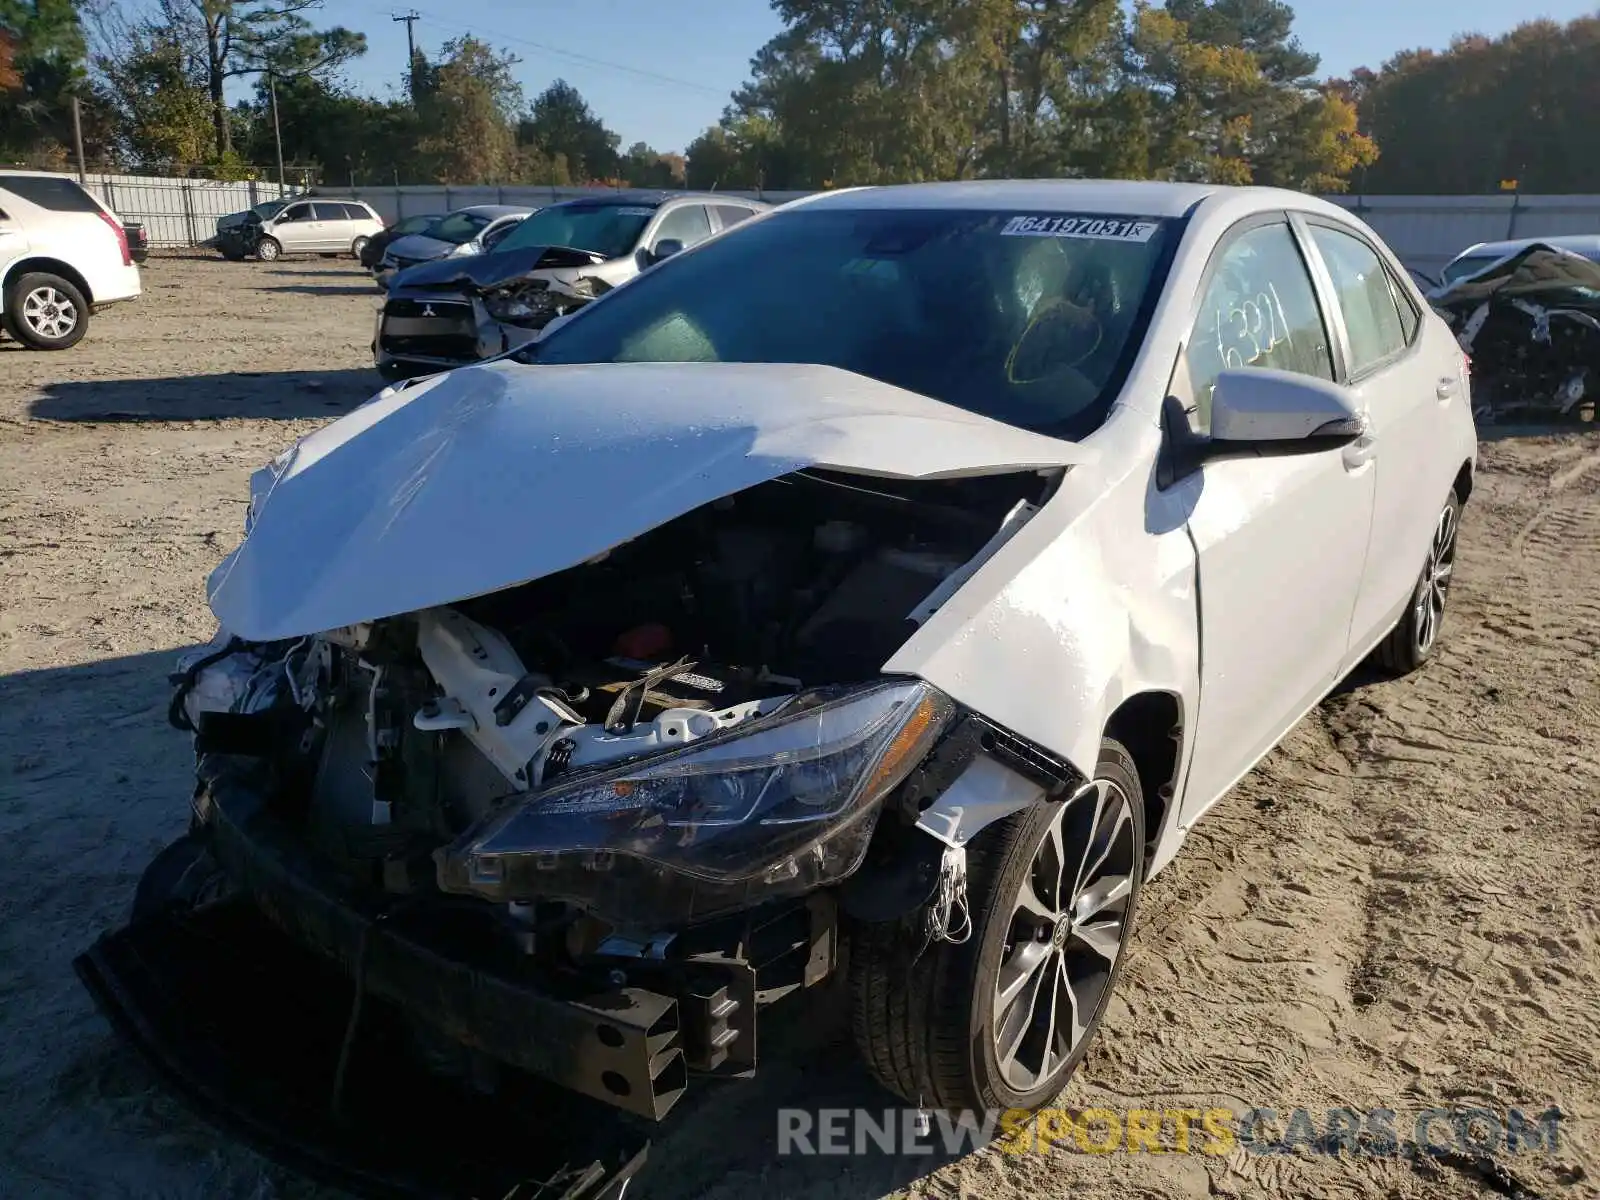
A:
{"x":249,"y":1028}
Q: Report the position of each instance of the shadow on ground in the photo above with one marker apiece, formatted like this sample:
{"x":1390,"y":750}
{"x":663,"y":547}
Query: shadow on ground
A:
{"x":308,"y":289}
{"x":265,"y":395}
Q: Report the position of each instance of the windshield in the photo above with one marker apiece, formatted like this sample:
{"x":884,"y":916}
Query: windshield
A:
{"x":422,"y":224}
{"x":1463,"y":268}
{"x":607,"y":229}
{"x":269,"y":208}
{"x":1031,"y":319}
{"x":459,"y":228}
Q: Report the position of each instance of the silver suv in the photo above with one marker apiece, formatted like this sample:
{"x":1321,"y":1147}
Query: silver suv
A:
{"x":454,"y":311}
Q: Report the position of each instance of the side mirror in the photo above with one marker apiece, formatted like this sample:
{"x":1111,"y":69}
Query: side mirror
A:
{"x":666,"y":248}
{"x":1259,"y":409}
{"x":1257,"y":404}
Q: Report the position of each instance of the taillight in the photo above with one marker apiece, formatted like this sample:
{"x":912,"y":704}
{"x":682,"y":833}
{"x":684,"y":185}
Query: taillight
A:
{"x":122,"y":237}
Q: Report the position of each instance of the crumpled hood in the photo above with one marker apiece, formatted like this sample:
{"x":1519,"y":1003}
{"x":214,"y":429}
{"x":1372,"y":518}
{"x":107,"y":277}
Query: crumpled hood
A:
{"x":494,"y":475}
{"x":1540,"y":268}
{"x":482,"y":271}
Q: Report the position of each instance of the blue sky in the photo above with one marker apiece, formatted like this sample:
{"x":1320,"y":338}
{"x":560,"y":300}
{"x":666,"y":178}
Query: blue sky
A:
{"x":660,"y":71}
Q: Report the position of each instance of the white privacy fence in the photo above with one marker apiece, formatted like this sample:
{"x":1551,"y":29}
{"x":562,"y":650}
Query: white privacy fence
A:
{"x":178,"y":212}
{"x":1425,"y":231}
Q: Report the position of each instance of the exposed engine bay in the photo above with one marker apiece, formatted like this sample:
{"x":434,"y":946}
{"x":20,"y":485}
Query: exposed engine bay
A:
{"x":1532,"y":326}
{"x":449,"y":749}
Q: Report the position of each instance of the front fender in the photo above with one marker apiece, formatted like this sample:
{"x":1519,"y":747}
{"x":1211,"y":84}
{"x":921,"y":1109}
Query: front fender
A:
{"x":1090,"y":603}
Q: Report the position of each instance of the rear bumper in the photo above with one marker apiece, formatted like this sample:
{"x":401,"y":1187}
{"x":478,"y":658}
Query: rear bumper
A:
{"x":248,"y":1029}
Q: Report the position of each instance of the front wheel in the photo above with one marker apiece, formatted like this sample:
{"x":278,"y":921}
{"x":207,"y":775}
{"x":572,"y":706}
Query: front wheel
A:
{"x":270,"y":250}
{"x":1412,"y":641}
{"x":1003,"y":1019}
{"x":46,"y":312}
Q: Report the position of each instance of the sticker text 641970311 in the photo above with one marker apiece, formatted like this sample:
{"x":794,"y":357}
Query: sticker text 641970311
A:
{"x":1105,"y":229}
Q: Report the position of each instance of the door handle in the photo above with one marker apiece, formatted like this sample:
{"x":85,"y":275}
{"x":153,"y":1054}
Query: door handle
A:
{"x":1447,"y":388}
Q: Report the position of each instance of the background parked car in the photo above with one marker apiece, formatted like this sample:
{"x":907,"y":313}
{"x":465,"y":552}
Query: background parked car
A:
{"x":1477,"y":258}
{"x":261,"y":212}
{"x":444,"y":313}
{"x":320,"y":226}
{"x":465,"y":231}
{"x":63,"y":254}
{"x":138,"y":240}
{"x":372,"y":252}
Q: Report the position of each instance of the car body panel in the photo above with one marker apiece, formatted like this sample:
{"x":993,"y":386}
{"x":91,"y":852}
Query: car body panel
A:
{"x":438,"y":473}
{"x":31,"y":234}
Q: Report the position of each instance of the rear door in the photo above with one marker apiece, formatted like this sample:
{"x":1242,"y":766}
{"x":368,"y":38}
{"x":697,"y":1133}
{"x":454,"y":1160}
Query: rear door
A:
{"x":334,"y":229}
{"x":1279,"y":539}
{"x":13,"y":238}
{"x":1406,"y":372}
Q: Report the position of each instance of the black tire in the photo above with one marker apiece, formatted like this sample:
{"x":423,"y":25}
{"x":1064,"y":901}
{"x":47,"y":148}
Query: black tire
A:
{"x":357,"y":246}
{"x":182,"y":877}
{"x":926,"y":1028}
{"x":1412,"y":642}
{"x":269,"y":249}
{"x":46,"y":312}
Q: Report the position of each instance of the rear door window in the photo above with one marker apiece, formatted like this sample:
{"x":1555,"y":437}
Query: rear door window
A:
{"x":1258,"y":310}
{"x":732,"y":214}
{"x":329,"y":212}
{"x":50,"y":192}
{"x":690,"y":225}
{"x":1366,"y":298}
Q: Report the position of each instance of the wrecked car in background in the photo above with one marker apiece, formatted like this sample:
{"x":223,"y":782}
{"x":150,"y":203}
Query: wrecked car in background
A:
{"x":1529,"y":315}
{"x":443,"y":314}
{"x":882,"y":591}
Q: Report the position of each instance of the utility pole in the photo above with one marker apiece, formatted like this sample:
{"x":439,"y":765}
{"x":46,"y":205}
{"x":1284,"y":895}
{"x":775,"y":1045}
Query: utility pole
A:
{"x":411,"y":18}
{"x":77,"y":139}
{"x":277,"y":136}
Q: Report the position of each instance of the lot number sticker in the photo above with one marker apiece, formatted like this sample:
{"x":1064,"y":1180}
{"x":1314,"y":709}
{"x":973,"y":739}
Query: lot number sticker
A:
{"x":1102,"y":229}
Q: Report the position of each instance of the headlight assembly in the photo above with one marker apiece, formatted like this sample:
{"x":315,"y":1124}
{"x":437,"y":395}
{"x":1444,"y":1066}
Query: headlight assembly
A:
{"x":781,"y":806}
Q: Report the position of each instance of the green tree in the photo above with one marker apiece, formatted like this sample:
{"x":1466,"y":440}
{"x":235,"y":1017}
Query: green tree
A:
{"x":244,"y":37}
{"x":160,"y":97}
{"x":561,"y":123}
{"x":49,"y":57}
{"x":645,"y":167}
{"x":468,"y":102}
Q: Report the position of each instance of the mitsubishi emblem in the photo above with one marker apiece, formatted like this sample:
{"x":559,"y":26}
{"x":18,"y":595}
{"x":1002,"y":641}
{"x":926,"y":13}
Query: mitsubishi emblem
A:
{"x":427,"y":310}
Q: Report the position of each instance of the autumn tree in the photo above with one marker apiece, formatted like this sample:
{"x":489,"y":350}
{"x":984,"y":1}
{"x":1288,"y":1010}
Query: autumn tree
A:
{"x":467,"y":104}
{"x":159,"y":92}
{"x":48,"y":57}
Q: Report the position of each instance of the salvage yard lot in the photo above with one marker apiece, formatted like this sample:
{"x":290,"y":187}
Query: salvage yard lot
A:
{"x":1396,"y":909}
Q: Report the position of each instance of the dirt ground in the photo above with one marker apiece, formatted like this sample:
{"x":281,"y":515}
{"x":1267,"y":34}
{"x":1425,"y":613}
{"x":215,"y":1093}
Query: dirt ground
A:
{"x":1395,"y":910}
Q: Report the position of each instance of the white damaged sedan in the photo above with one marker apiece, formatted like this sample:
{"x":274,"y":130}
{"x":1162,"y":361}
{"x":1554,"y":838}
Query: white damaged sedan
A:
{"x":884,"y":587}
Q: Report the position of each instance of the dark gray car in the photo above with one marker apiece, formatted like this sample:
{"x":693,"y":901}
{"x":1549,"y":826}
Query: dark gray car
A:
{"x":459,"y":310}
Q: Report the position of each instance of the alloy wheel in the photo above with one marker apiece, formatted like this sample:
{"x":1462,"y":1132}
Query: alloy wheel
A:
{"x":1434,"y":586}
{"x":49,"y":313}
{"x":1067,"y":927}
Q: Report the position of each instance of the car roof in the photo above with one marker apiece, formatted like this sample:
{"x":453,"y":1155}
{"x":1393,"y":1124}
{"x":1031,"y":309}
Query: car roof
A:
{"x":1586,"y":244}
{"x":655,"y":198}
{"x":1148,"y":198}
{"x":495,"y":210}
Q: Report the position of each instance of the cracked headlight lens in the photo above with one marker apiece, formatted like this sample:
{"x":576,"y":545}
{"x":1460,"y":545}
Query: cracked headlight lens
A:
{"x":520,"y":305}
{"x":783,"y":803}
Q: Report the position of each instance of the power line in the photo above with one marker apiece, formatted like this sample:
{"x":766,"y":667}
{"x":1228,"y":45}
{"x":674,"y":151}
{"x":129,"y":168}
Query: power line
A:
{"x":410,"y":18}
{"x":429,"y":19}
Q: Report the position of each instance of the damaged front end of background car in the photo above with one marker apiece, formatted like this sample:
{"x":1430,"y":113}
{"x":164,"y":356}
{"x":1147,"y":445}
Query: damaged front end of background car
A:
{"x":462,"y":310}
{"x":558,"y":726}
{"x":1531,"y":324}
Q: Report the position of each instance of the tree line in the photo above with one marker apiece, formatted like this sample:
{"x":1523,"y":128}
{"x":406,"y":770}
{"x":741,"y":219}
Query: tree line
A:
{"x":850,"y":92}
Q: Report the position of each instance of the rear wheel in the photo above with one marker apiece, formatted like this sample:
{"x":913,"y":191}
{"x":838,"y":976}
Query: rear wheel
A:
{"x":270,"y":250}
{"x":1003,"y":1019}
{"x":46,"y":312}
{"x":1412,"y":641}
{"x":357,"y":246}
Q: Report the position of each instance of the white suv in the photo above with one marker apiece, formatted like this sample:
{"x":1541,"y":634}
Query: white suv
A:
{"x":63,"y":255}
